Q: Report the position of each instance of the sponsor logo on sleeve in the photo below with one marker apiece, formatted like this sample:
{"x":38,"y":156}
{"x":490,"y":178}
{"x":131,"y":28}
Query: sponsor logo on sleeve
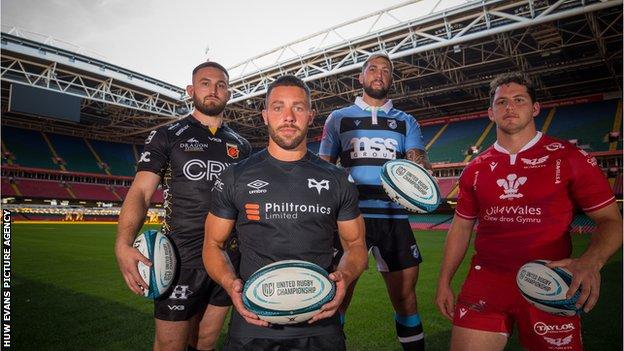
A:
{"x":145,"y":157}
{"x":173,"y":126}
{"x":179,"y":132}
{"x":150,"y":136}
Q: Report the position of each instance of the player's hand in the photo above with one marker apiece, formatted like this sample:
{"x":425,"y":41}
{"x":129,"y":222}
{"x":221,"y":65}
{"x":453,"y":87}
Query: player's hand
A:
{"x":586,"y":276}
{"x":330,"y":308}
{"x":128,"y":258}
{"x":236,"y":294}
{"x":445,"y":300}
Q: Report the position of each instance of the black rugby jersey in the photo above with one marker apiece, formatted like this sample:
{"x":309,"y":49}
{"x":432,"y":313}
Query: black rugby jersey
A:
{"x":283,"y":211}
{"x":190,"y":159}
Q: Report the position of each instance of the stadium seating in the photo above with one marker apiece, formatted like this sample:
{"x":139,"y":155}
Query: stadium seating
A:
{"x":428,"y":132}
{"x":76,"y":154}
{"x":118,"y":156}
{"x":456,"y":139}
{"x":6,"y":189}
{"x":446,"y":185}
{"x":43,"y":189}
{"x":93,"y":192}
{"x":28,"y":148}
{"x":588,"y":123}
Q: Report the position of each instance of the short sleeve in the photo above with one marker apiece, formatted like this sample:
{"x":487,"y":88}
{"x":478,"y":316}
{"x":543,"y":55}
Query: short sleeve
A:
{"x":330,"y":140}
{"x":349,"y":203}
{"x":467,"y":206}
{"x":413,"y":136}
{"x":155,"y":155}
{"x":588,"y":185}
{"x":222,"y":204}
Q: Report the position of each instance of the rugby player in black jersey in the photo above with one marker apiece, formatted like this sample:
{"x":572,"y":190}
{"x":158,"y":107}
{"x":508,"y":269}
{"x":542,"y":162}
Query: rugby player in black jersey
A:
{"x":188,"y":156}
{"x":286,"y":203}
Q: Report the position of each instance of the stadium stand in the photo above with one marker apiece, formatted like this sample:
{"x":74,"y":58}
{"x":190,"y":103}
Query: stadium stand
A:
{"x":28,"y":148}
{"x":75,"y":152}
{"x":429,"y":132}
{"x":93,"y":192}
{"x":6,"y":189}
{"x":588,"y":123}
{"x":446,"y":185}
{"x":119,"y":157}
{"x":451,"y":146}
{"x":43,"y":189}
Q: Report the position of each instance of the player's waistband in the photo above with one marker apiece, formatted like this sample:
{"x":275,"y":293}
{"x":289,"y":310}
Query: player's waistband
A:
{"x":368,"y":212}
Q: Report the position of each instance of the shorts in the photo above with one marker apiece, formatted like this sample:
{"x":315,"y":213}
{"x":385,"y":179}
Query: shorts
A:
{"x":311,"y":343}
{"x":392,"y":243}
{"x":491,"y":301}
{"x":192,"y":291}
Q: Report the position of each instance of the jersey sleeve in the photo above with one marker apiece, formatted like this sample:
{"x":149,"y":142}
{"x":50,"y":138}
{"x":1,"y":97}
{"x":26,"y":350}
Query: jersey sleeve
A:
{"x":413,"y":135}
{"x":155,"y":155}
{"x":349,"y":204}
{"x":588,"y":186}
{"x":246,"y":149}
{"x":467,"y":206}
{"x":330,"y":140}
{"x":222,"y":204}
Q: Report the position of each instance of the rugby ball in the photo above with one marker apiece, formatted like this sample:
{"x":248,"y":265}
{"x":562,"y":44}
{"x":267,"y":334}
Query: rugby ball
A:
{"x":546,"y":288}
{"x":410,"y":185}
{"x":288,"y":292}
{"x":159,"y":250}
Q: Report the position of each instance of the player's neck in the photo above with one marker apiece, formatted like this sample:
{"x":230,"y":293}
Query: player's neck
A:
{"x":370,"y":101}
{"x":208,"y":121}
{"x":513,"y":143}
{"x":281,"y":154}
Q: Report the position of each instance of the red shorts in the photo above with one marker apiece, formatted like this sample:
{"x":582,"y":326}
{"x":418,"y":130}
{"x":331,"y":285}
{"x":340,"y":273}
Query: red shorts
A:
{"x":491,"y":301}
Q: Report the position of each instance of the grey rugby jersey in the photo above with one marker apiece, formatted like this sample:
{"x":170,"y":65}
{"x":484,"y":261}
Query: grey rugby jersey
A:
{"x":285,"y":210}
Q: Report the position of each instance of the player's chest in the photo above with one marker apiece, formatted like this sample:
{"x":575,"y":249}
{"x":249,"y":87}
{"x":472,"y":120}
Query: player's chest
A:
{"x":530,"y":179}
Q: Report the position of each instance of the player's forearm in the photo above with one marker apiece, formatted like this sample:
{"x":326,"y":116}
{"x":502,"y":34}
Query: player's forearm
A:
{"x":455,"y":248}
{"x":420,"y":157}
{"x":353,"y":262}
{"x":131,"y":217}
{"x":218,"y":265}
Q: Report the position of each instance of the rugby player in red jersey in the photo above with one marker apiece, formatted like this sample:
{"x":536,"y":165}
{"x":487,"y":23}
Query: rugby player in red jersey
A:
{"x":523,"y":192}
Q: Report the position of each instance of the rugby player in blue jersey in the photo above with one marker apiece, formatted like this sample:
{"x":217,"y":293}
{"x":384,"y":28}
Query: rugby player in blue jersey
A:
{"x":286,"y":204}
{"x":363,"y":136}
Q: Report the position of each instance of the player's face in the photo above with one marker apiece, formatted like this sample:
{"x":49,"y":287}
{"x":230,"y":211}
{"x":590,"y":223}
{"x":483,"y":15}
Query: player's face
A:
{"x":512,"y":109}
{"x":209,"y":91}
{"x":377,"y":78}
{"x":288,"y":115}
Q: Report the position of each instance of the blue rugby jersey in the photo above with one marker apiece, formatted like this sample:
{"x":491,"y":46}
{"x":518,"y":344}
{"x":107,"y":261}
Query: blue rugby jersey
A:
{"x":365,"y":137}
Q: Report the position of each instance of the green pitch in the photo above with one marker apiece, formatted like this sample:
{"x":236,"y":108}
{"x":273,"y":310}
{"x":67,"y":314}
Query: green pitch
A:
{"x":67,"y":294}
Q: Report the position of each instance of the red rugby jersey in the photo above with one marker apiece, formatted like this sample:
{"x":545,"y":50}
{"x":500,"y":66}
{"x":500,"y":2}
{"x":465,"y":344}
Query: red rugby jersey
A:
{"x":524,"y":203}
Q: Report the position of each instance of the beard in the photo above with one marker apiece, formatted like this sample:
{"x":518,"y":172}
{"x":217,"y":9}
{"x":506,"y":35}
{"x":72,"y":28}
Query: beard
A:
{"x":284,"y":143}
{"x":209,"y":108}
{"x":379,"y":94}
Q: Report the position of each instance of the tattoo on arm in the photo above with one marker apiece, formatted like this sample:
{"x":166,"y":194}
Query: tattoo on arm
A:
{"x":419,"y":156}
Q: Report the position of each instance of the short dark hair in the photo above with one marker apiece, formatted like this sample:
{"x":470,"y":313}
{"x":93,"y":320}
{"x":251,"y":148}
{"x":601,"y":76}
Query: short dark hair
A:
{"x":288,"y":81}
{"x":377,"y":55}
{"x":211,"y":64}
{"x":512,"y":77}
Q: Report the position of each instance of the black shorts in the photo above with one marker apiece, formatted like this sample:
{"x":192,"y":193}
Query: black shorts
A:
{"x":392,"y":243}
{"x":311,"y":343}
{"x":192,"y":291}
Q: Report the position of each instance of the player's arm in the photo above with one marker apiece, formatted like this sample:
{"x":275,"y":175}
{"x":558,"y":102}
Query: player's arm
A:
{"x":351,"y":265}
{"x":217,"y":230}
{"x":328,"y":158}
{"x":419,"y":156}
{"x":586,"y":269}
{"x":330,"y":141}
{"x":131,"y":219}
{"x":457,"y":241}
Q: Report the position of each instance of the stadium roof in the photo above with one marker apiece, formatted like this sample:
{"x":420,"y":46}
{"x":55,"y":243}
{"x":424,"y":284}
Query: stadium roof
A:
{"x":443,"y":64}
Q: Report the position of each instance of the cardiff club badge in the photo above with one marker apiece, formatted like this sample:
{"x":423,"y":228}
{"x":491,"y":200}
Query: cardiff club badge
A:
{"x":232,"y":150}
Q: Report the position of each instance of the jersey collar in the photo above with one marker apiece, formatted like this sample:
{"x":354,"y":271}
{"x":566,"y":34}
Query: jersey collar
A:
{"x":512,"y":157}
{"x":359,"y":102}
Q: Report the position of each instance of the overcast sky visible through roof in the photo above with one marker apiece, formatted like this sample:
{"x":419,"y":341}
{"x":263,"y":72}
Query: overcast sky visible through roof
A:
{"x":166,"y":39}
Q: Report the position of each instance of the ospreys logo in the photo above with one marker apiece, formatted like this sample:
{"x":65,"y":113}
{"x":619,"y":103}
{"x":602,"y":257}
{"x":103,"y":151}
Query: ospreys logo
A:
{"x":318,"y":185}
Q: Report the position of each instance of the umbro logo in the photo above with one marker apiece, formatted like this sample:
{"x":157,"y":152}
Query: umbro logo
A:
{"x":510,"y":186}
{"x":257,"y":185}
{"x":318,"y":185}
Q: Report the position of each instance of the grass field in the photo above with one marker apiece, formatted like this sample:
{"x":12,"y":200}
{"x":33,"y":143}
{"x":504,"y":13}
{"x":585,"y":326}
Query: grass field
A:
{"x":68,"y":295}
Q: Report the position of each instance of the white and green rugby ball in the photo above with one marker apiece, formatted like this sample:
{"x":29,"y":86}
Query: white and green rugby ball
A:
{"x":159,"y":250}
{"x":410,"y":185}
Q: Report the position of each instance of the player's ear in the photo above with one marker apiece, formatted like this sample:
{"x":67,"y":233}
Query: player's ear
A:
{"x":190,"y":90}
{"x":361,"y":78}
{"x":536,"y":109}
{"x":312,"y":115}
{"x":490,"y":114}
{"x":264,"y":117}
